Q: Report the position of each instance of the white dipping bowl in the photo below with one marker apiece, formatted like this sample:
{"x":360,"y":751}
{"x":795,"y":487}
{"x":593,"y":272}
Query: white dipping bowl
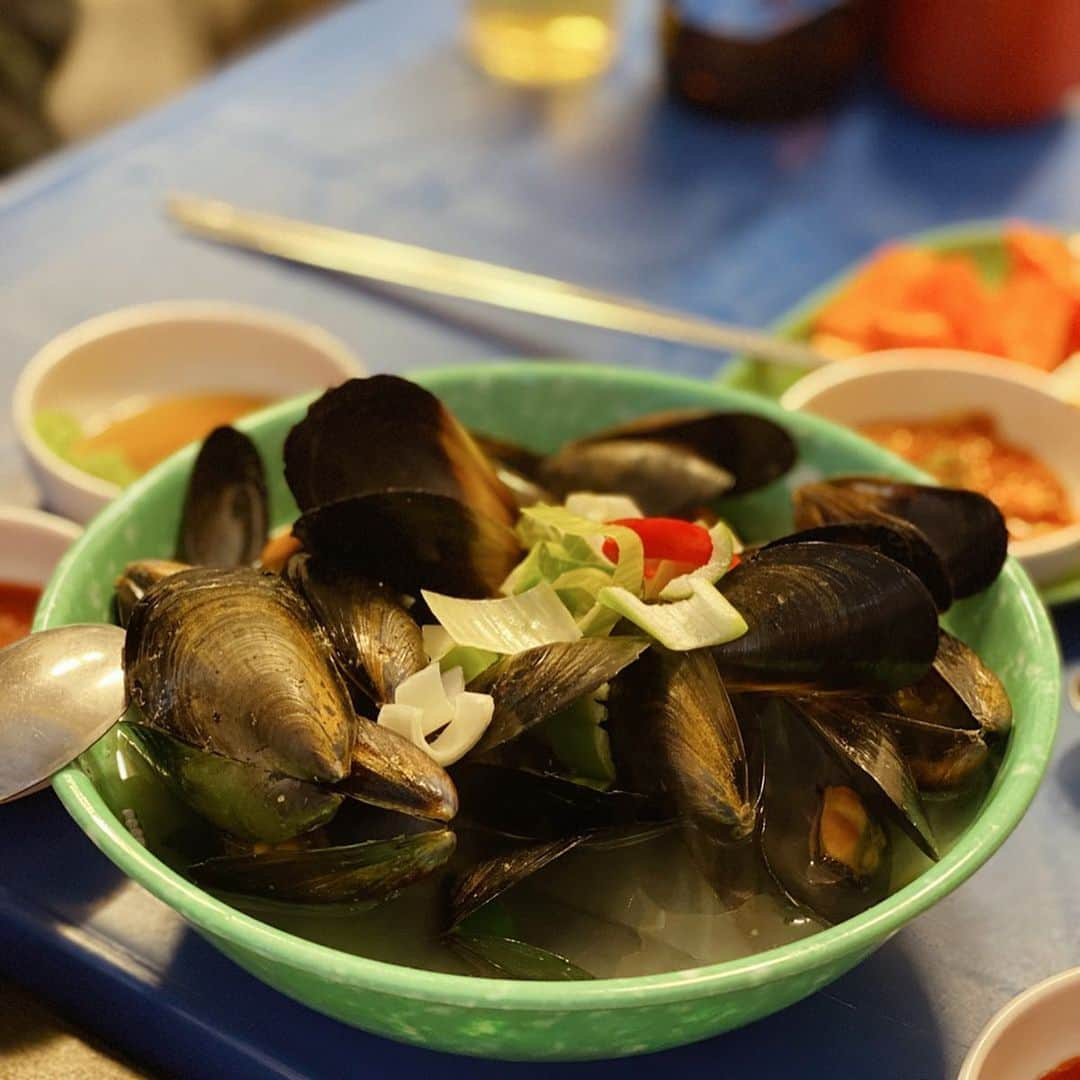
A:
{"x":1033,"y":1034}
{"x":159,"y":350}
{"x":924,"y":384}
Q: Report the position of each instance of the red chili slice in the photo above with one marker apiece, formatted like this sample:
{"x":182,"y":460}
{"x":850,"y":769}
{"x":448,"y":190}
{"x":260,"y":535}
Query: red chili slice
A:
{"x":666,"y":538}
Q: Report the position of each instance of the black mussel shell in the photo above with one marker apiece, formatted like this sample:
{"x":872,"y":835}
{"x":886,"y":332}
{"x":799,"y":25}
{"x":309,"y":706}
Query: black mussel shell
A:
{"x":818,"y":836}
{"x":506,"y":958}
{"x":226,"y":515}
{"x":958,"y":693}
{"x":753,"y":449}
{"x":965,"y":529}
{"x":371,"y":871}
{"x":384,"y":434}
{"x":827,"y":616}
{"x":413,"y":540}
{"x":136,"y":578}
{"x":674,"y":735}
{"x":943,"y":723}
{"x":542,"y":806}
{"x":230,"y":662}
{"x":857,"y":734}
{"x":491,"y":878}
{"x":390,"y":772}
{"x":898,"y":540}
{"x":245,"y":801}
{"x":376,"y":642}
{"x":532,"y":685}
{"x":664,"y":479}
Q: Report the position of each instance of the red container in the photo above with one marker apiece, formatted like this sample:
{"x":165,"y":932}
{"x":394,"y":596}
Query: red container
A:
{"x":984,"y":61}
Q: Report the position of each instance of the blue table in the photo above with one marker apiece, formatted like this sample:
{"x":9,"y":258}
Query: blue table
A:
{"x":372,"y":119}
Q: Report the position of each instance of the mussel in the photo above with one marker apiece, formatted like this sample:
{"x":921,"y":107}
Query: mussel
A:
{"x":388,"y":771}
{"x":357,"y":874}
{"x":136,"y":578}
{"x":945,"y":722}
{"x":965,"y":529}
{"x":413,"y":540}
{"x":827,"y":616}
{"x":516,"y":467}
{"x":384,"y":434}
{"x":226,"y":515}
{"x":375,"y":640}
{"x":244,"y":801}
{"x":229,"y":661}
{"x":492,"y":877}
{"x":819,"y":836}
{"x":532,"y":685}
{"x":674,"y":736}
{"x":898,"y":540}
{"x":672,"y":462}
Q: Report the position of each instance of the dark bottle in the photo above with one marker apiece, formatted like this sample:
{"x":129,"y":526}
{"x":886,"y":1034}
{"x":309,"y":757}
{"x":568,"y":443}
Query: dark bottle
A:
{"x":763,"y":59}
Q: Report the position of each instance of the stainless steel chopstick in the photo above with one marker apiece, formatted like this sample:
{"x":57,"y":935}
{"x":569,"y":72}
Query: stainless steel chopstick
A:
{"x":378,"y":259}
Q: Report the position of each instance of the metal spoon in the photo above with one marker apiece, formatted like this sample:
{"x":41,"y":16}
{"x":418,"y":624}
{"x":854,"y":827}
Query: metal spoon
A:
{"x":60,"y":691}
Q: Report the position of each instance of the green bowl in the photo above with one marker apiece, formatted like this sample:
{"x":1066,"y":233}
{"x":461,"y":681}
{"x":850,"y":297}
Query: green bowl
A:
{"x":543,"y":404}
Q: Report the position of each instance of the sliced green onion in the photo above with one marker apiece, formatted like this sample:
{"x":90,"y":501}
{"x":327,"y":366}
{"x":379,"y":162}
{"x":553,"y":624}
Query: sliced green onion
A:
{"x":723,"y":540}
{"x":471,"y":661}
{"x":705,"y":618}
{"x":596,"y":507}
{"x":511,"y":624}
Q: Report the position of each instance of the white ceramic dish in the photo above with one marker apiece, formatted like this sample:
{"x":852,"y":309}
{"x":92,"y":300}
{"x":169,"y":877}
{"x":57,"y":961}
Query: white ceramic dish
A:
{"x":154,"y":350}
{"x":914,"y":384}
{"x":1033,"y":1034}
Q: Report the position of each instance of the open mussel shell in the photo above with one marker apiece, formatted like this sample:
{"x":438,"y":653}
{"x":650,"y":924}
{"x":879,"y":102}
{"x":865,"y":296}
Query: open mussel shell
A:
{"x":819,"y":837}
{"x":243,"y":800}
{"x":230,"y":662}
{"x":530,"y":686}
{"x":486,"y":880}
{"x":674,"y":735}
{"x":827,"y":616}
{"x":372,"y":871}
{"x":965,"y":529}
{"x":390,"y":772}
{"x":754,"y":451}
{"x":897,"y":540}
{"x":944,"y":722}
{"x":376,"y":642}
{"x":136,"y":578}
{"x":532,"y":805}
{"x":413,"y":540}
{"x":958,"y":693}
{"x":857,"y":735}
{"x":226,"y":515}
{"x":664,"y":479}
{"x":383,"y":434}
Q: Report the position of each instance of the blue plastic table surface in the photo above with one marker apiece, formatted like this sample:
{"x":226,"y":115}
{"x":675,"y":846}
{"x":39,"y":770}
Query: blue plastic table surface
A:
{"x":372,"y":119}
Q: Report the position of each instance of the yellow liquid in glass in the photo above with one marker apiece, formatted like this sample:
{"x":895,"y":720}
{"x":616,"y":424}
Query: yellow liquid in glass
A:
{"x":542,"y":42}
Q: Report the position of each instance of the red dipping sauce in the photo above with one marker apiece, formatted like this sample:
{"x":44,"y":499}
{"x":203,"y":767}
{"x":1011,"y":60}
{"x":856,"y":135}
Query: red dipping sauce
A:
{"x":1067,"y":1070}
{"x":17,"y":604}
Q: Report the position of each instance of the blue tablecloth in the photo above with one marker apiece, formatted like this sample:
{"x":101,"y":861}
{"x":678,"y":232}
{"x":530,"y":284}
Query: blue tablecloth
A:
{"x":372,"y":119}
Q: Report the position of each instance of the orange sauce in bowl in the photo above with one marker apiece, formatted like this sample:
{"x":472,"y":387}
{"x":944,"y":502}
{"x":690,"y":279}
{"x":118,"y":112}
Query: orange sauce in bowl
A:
{"x":17,"y":604}
{"x":151,"y":432}
{"x":1067,"y":1070}
{"x":968,"y":451}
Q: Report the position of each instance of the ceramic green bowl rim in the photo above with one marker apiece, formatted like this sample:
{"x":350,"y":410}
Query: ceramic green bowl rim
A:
{"x":999,"y":815}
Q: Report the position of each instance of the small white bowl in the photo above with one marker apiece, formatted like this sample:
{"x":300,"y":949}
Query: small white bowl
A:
{"x":920,"y":384}
{"x":1033,"y":1034}
{"x":31,"y":543}
{"x":155,"y":350}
